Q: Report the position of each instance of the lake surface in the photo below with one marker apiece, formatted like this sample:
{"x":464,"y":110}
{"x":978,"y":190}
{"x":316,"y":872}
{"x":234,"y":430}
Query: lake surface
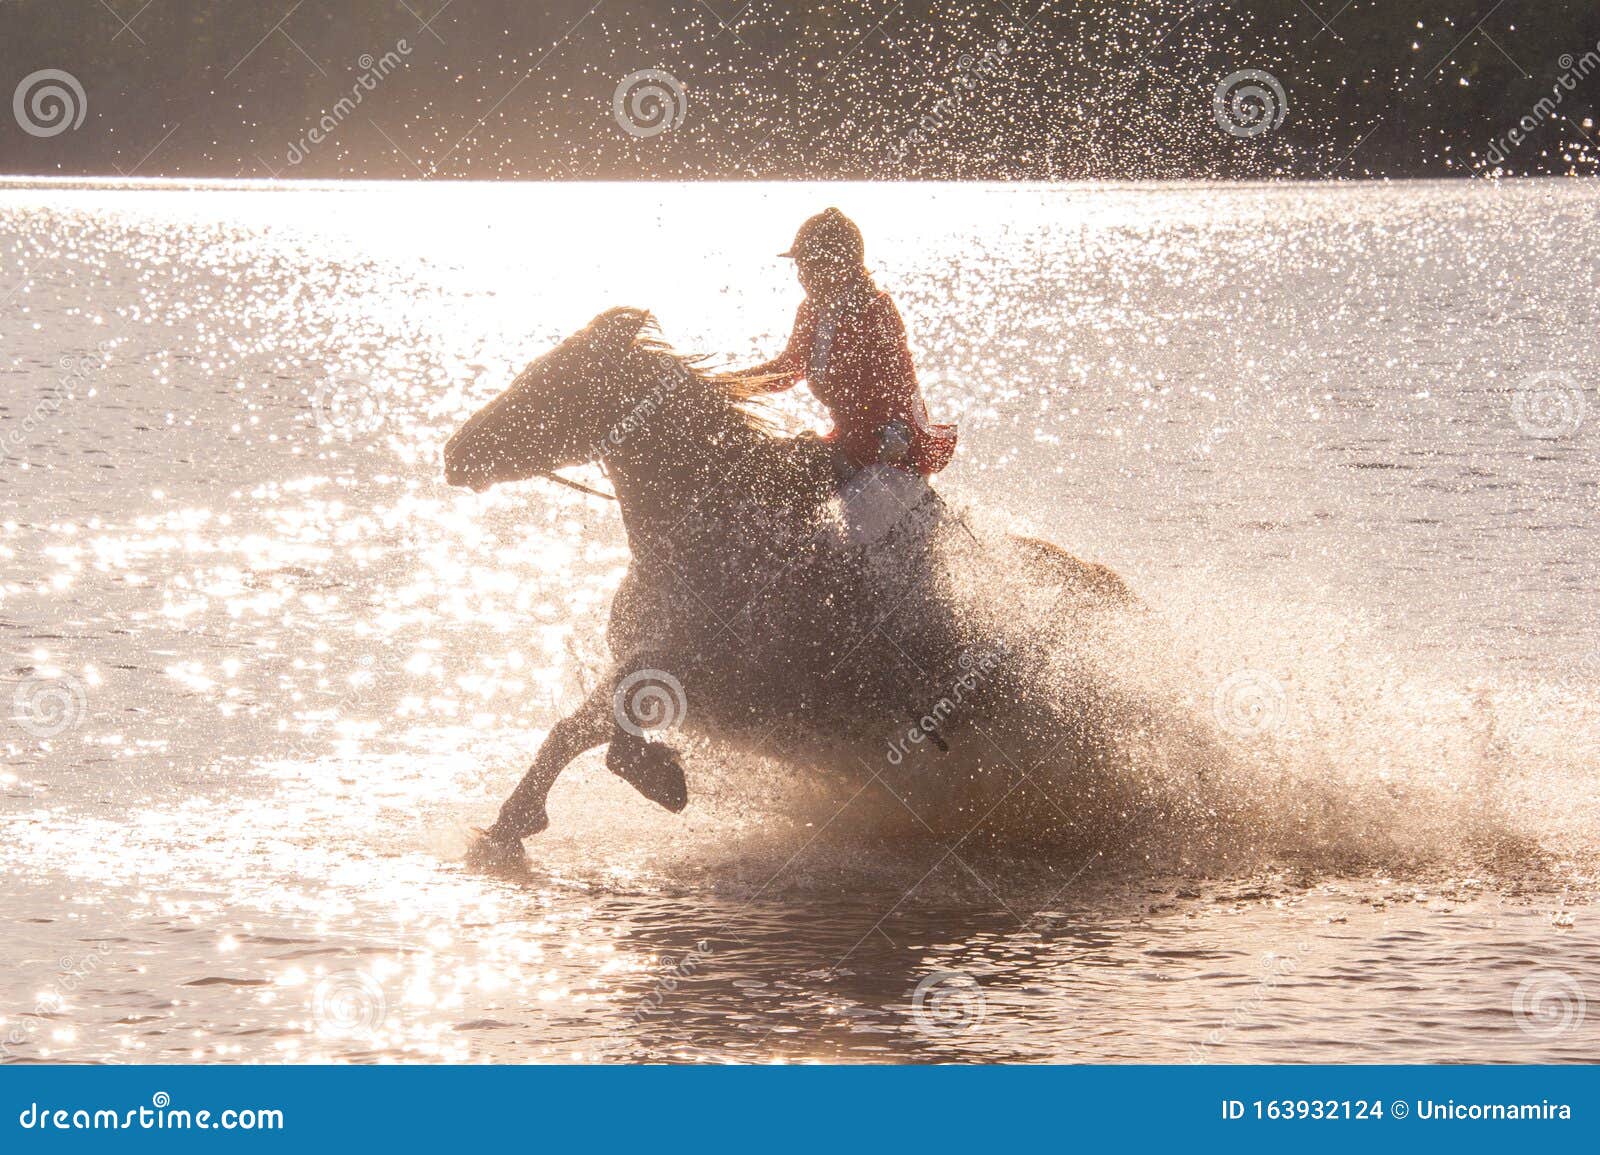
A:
{"x":263,"y":671}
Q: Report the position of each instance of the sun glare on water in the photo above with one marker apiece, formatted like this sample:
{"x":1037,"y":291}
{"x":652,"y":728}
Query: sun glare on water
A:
{"x":271,"y":670}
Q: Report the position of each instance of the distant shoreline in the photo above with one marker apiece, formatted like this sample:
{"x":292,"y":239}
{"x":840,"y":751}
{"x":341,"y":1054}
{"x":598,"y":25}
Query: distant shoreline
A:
{"x":259,"y":184}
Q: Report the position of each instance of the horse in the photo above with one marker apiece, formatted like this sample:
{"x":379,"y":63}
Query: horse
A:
{"x":741,"y":618}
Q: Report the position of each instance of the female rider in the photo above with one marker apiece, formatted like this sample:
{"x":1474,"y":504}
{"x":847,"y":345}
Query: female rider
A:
{"x":849,"y":345}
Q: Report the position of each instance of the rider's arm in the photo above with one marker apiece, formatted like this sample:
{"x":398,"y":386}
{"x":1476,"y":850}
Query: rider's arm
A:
{"x":788,"y":367}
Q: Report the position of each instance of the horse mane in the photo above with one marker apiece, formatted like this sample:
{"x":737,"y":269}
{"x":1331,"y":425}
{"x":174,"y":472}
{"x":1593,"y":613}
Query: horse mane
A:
{"x":746,"y":397}
{"x":790,"y":477}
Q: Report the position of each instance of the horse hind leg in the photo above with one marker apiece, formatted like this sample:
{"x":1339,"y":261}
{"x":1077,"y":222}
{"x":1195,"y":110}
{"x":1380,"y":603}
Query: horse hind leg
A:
{"x":1081,"y":577}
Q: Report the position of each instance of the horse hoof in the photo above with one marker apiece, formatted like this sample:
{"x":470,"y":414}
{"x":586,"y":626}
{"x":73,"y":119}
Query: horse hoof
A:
{"x":493,"y":852}
{"x":653,"y":770}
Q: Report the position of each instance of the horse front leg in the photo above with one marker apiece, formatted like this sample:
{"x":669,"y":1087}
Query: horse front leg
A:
{"x":523,"y":814}
{"x":647,"y":698}
{"x":651,"y":768}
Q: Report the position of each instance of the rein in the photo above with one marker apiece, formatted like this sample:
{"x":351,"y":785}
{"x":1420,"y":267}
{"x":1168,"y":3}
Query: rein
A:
{"x":552,"y":475}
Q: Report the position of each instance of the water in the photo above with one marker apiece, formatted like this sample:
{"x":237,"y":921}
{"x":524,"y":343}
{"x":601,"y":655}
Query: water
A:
{"x":265,"y":670}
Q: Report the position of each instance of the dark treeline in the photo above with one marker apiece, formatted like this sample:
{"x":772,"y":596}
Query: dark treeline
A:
{"x":851,"y":88}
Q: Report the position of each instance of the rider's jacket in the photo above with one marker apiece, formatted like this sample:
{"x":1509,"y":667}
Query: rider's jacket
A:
{"x":854,"y":356}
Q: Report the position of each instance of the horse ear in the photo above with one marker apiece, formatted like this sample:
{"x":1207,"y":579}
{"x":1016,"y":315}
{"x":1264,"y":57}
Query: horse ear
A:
{"x":617,"y":329}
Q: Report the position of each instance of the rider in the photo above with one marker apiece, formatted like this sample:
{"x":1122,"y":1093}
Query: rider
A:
{"x":849,"y":345}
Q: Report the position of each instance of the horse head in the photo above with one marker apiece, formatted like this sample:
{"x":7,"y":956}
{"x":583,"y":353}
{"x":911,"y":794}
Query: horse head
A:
{"x":563,"y":407}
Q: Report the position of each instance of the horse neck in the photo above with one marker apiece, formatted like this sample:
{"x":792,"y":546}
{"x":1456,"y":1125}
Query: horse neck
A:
{"x":694,"y":456}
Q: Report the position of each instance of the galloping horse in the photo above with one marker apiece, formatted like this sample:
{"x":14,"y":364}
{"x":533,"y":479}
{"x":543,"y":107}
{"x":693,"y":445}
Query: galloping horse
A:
{"x":740,"y":617}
